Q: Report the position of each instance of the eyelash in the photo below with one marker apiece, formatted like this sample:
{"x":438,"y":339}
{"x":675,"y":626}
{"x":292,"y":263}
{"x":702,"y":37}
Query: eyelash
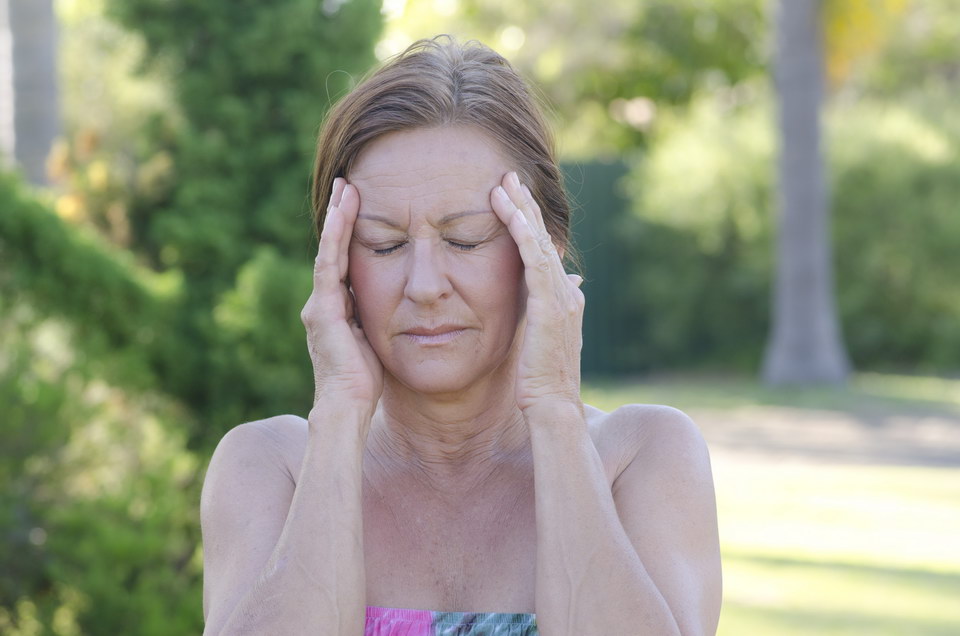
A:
{"x":464,"y":247}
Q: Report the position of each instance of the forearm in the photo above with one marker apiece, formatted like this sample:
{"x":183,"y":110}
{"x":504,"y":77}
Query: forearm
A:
{"x":589,"y":577}
{"x":314,"y":581}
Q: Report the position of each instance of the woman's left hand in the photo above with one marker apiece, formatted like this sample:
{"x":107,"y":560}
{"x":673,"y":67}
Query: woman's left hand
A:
{"x":548,"y":370}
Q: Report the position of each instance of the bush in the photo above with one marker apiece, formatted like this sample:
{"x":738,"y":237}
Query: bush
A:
{"x":695,"y":263}
{"x":99,"y":504}
{"x":223,"y":175}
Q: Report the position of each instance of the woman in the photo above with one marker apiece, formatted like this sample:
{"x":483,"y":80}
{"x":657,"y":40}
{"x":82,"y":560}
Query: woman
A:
{"x":448,"y":478}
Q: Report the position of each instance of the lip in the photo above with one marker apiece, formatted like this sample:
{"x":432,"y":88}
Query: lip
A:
{"x":434,"y":335}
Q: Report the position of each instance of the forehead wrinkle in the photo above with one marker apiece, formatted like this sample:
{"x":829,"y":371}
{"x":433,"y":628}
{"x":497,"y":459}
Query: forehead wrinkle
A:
{"x":445,"y":220}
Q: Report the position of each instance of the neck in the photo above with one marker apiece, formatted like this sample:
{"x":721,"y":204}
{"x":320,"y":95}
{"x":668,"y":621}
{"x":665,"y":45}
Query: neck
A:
{"x":452,"y":443}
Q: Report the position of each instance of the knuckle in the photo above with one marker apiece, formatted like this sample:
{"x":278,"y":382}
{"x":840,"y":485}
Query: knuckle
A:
{"x":307,"y":315}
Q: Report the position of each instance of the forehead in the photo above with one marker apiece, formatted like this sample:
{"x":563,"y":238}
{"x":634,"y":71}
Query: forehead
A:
{"x":428,"y":172}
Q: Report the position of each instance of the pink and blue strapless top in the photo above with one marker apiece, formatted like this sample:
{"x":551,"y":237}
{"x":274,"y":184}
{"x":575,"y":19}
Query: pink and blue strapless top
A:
{"x":385,"y":621}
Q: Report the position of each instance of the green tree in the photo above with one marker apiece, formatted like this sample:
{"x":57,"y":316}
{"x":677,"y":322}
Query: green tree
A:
{"x":606,"y":73}
{"x":118,"y":347}
{"x":251,"y":82}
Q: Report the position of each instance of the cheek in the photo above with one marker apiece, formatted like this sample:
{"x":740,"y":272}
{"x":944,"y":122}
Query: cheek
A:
{"x":372,"y":286}
{"x":499,"y":282}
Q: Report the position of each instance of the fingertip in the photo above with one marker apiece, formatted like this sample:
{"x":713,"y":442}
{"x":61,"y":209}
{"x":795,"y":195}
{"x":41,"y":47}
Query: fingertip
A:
{"x":498,"y":200}
{"x":350,"y":202}
{"x":336,"y":191}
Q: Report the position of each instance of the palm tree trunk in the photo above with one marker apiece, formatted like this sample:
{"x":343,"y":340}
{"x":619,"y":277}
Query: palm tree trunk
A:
{"x":805,"y":344}
{"x":6,"y":88}
{"x":29,"y":106}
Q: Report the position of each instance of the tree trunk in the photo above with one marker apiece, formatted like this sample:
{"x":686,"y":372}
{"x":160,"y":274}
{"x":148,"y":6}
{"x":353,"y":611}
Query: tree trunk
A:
{"x":6,"y":88}
{"x":29,"y":104}
{"x":805,"y":345}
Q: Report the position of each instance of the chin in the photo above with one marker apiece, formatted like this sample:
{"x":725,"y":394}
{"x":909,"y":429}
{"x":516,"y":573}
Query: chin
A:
{"x":438,"y":376}
{"x":434,"y":377}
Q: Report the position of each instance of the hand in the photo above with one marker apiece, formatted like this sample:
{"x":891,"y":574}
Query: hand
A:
{"x":548,"y":370}
{"x":345,"y":367}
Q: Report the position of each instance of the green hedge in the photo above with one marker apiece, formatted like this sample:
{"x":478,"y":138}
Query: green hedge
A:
{"x":678,"y":252}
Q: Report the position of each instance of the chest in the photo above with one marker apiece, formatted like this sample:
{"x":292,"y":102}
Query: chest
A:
{"x":478,"y":554}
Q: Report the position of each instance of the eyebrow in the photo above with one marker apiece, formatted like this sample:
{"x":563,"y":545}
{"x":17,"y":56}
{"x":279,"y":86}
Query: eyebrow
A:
{"x":443,"y":221}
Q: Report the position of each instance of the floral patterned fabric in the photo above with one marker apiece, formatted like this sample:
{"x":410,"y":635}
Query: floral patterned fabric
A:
{"x":385,"y":621}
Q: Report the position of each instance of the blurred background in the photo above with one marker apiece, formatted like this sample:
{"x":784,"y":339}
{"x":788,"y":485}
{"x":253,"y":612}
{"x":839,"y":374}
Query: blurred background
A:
{"x":156,"y":248}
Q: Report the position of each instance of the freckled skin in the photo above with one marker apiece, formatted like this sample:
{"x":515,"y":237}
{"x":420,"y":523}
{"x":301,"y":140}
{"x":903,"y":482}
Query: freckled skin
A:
{"x":410,"y":267}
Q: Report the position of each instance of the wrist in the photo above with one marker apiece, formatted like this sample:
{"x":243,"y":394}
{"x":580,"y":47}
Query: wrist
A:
{"x":331,"y":416}
{"x":552,"y":413}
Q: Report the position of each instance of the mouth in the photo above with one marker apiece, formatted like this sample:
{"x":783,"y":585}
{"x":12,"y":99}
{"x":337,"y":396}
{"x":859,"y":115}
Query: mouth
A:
{"x":435,"y":335}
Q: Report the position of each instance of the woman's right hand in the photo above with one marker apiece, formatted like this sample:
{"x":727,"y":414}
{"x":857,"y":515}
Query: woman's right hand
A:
{"x":346,"y":371}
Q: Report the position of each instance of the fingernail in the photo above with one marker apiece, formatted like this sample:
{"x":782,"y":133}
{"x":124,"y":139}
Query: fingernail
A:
{"x":515,"y":179}
{"x":501,"y":192}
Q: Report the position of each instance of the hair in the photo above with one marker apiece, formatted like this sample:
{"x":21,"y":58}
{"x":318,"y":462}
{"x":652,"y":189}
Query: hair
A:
{"x":440,"y":82}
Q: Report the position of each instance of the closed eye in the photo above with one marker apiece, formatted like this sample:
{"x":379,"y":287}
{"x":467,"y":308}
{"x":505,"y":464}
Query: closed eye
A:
{"x":389,"y":250}
{"x":466,"y":247}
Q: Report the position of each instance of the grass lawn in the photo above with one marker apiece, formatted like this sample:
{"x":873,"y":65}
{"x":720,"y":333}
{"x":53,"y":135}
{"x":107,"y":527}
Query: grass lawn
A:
{"x":827,"y":547}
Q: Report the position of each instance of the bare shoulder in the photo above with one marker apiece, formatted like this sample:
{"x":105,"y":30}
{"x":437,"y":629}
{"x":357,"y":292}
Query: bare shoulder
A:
{"x":246,"y":493}
{"x":664,"y":494}
{"x":655,"y":436}
{"x":278,"y":440}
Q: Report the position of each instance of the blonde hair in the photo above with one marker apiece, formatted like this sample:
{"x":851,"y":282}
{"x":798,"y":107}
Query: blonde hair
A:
{"x":440,"y":82}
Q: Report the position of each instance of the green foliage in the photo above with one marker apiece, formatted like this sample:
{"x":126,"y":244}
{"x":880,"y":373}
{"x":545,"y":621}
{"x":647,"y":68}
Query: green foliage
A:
{"x":118,"y":309}
{"x":133,"y":555}
{"x":663,"y":53}
{"x":99,"y":505}
{"x":159,"y":305}
{"x":260,"y":341}
{"x":897,"y":227}
{"x":921,"y":53}
{"x":163,"y":293}
{"x":252,"y":82}
{"x":701,"y":264}
{"x":226,"y":173}
{"x":650,"y":285}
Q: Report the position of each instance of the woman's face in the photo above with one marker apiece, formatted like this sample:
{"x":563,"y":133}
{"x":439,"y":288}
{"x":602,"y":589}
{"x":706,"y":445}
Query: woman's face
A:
{"x":436,"y":275}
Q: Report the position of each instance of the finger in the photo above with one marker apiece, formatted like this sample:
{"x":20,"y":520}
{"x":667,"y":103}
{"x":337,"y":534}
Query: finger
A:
{"x":326,"y":269}
{"x":535,"y":207}
{"x":349,"y":208}
{"x":524,"y":200}
{"x":538,"y":266}
{"x":511,"y":183}
{"x":336,"y":191}
{"x":521,"y":197}
{"x":575,"y":279}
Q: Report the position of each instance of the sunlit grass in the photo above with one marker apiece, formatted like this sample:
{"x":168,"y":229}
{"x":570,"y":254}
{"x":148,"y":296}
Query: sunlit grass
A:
{"x":813,"y":548}
{"x":827,"y":548}
{"x":896,"y":392}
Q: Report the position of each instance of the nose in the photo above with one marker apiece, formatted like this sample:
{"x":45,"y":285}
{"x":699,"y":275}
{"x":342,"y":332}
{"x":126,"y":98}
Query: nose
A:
{"x":427,"y":280}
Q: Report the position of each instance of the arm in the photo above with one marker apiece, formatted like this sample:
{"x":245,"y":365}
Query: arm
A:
{"x":280,"y":559}
{"x":285,"y":559}
{"x":643,"y":559}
